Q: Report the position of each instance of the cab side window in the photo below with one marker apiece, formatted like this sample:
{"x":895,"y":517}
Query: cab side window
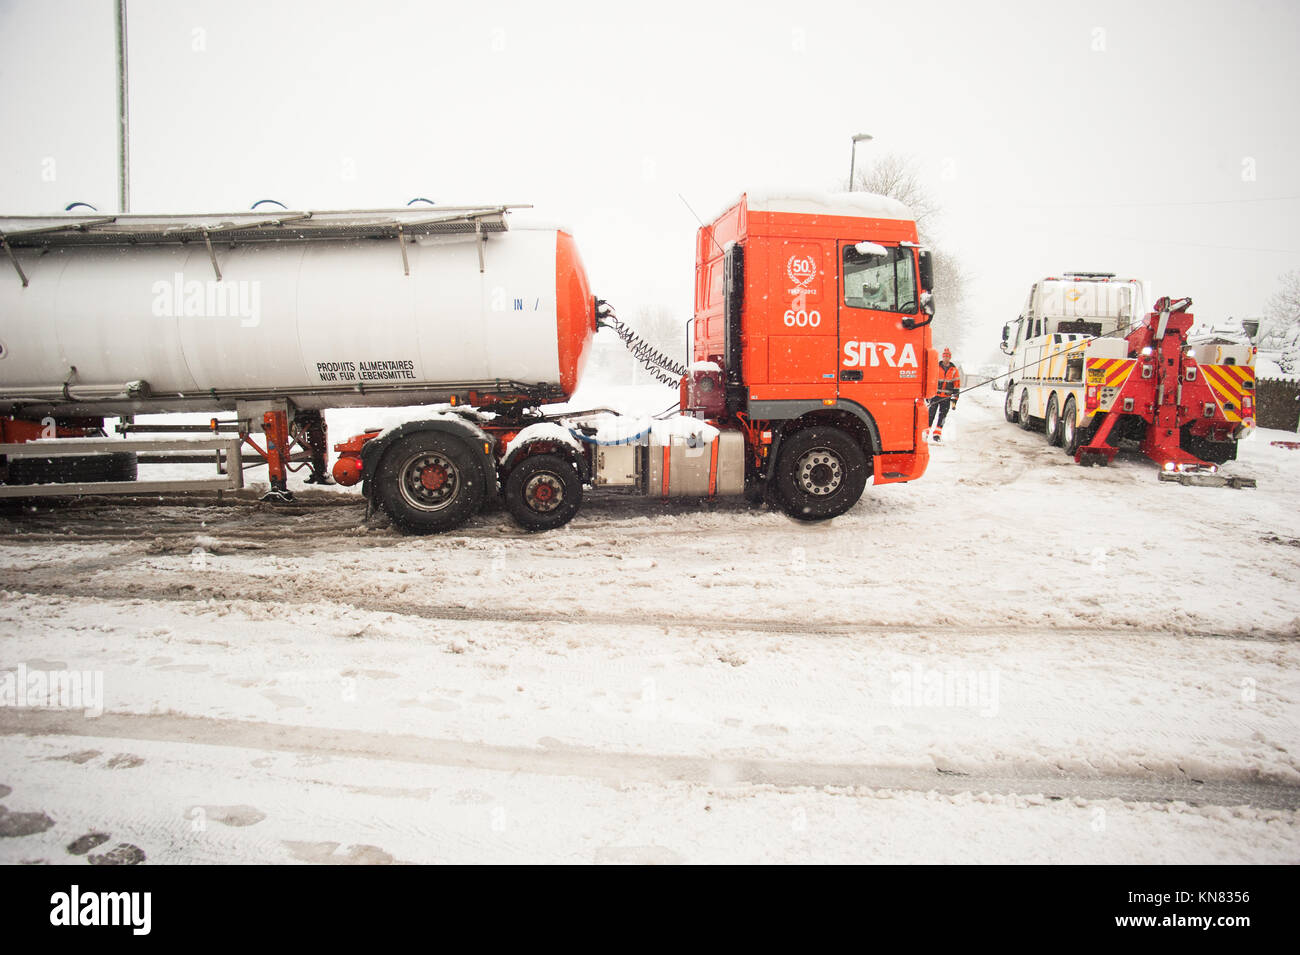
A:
{"x":881,"y":279}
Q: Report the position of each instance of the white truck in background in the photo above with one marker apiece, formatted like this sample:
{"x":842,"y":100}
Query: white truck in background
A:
{"x":1097,"y":362}
{"x":1066,"y":319}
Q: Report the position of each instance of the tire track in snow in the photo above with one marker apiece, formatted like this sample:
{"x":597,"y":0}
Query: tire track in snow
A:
{"x":491,"y":612}
{"x":621,"y":768}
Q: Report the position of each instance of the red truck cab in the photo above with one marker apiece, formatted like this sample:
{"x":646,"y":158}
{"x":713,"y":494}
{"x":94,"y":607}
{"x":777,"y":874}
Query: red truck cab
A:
{"x":817,"y":309}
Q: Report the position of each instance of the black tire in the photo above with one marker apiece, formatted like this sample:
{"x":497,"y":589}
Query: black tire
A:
{"x":821,"y":474}
{"x":1071,"y":433}
{"x":1023,"y":417}
{"x":73,"y":469}
{"x":1008,"y":409}
{"x":1052,"y":423}
{"x":430,"y":481}
{"x":543,"y":492}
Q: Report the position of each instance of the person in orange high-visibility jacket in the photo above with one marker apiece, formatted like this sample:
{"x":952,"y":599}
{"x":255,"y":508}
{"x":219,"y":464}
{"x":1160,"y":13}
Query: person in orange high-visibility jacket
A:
{"x":947,"y":392}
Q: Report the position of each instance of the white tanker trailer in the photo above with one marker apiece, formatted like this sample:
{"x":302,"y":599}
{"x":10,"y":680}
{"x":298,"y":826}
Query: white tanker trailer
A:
{"x":277,"y":318}
{"x":147,"y":314}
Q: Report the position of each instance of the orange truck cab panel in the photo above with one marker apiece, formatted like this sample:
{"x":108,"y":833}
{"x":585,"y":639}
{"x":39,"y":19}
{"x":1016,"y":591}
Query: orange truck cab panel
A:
{"x":812,"y":305}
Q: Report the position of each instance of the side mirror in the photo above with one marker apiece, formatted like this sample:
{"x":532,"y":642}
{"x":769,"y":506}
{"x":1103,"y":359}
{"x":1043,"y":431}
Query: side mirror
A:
{"x":927,"y":303}
{"x":1006,"y":332}
{"x":927,"y":271}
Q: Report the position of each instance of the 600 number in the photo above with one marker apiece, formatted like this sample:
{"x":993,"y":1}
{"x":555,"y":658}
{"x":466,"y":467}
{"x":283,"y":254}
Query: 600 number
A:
{"x":802,"y":319}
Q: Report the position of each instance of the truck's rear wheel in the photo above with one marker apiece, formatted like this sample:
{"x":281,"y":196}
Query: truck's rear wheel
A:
{"x":429,"y":482}
{"x":1008,"y":406}
{"x":1070,"y":434}
{"x":543,"y":492}
{"x":1052,"y":423}
{"x":1024,"y":418}
{"x":821,"y":473}
{"x":73,"y":469}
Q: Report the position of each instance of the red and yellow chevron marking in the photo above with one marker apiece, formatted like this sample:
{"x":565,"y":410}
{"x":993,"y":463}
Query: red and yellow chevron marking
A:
{"x":1109,"y":372}
{"x":1229,"y":385}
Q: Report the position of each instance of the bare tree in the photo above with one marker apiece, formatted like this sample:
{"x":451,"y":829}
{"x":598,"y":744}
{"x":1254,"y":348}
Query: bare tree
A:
{"x":1283,"y":314}
{"x":896,"y":176}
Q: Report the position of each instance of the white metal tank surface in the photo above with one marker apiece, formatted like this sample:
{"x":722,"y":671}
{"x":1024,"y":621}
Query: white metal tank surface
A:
{"x":327,"y":321}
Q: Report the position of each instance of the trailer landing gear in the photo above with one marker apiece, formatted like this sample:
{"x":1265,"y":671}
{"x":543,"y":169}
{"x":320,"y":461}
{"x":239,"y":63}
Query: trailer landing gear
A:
{"x":275,"y":425}
{"x":309,"y":430}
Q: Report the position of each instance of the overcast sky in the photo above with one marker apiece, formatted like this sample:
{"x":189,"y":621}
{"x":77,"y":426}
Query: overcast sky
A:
{"x":1158,"y":140}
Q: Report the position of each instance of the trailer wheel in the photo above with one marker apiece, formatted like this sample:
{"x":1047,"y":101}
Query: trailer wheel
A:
{"x":1009,"y":409}
{"x":1052,"y":423}
{"x":428,"y":482}
{"x":821,"y":474}
{"x":1025,"y":420}
{"x":73,"y":469}
{"x":543,"y":492}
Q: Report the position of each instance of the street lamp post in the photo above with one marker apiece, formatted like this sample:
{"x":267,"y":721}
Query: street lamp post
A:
{"x":123,"y":129}
{"x":853,"y":154}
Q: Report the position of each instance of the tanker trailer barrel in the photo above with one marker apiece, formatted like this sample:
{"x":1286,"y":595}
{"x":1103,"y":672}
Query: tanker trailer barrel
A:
{"x":280,"y":317}
{"x":154,"y":314}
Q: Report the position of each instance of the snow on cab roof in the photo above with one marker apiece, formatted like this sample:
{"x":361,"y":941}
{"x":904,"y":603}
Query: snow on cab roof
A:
{"x":858,"y":204}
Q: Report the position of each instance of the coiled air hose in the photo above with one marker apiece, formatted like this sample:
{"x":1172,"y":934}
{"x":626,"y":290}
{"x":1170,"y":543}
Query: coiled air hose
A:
{"x":661,"y":367}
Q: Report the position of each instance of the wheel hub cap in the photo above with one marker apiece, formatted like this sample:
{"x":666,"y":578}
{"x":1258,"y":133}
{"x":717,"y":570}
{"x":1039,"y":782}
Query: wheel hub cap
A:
{"x":543,"y":493}
{"x":820,"y":472}
{"x":429,"y":481}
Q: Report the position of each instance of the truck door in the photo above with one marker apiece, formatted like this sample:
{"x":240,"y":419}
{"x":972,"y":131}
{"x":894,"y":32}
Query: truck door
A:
{"x":801,"y":317}
{"x":878,"y":291}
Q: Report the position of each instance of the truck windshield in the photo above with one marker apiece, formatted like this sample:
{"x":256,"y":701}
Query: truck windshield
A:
{"x":885,"y":283}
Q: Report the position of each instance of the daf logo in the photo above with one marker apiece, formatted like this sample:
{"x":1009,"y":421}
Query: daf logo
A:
{"x":802,"y":269}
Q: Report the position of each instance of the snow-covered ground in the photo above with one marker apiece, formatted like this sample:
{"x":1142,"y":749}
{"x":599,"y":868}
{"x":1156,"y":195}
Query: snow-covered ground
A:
{"x":1013,"y":659}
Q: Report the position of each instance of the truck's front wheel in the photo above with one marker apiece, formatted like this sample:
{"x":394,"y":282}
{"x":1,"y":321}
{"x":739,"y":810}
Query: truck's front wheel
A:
{"x":543,"y":492}
{"x":429,"y":482}
{"x":821,"y":473}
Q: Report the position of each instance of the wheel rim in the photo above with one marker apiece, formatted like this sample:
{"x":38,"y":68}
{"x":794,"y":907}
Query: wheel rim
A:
{"x":429,"y":481}
{"x":543,"y":493}
{"x":1067,"y":430}
{"x":1053,"y":421}
{"x":1024,"y":408}
{"x":819,"y":472}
